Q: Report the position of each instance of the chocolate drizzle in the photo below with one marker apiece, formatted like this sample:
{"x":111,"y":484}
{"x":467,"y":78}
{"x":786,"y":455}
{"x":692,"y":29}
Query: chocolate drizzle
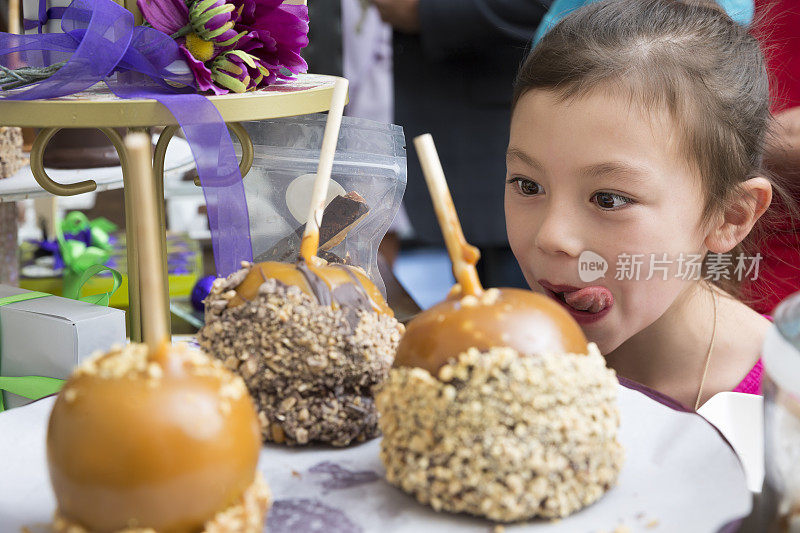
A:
{"x":353,"y":294}
{"x":350,"y":297}
{"x":318,"y":286}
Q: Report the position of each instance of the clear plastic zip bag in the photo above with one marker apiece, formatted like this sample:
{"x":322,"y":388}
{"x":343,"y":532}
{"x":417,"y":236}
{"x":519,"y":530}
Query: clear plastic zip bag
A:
{"x":368,"y":181}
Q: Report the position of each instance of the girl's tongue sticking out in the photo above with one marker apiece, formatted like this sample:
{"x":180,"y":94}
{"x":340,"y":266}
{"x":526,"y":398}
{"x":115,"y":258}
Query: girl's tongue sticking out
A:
{"x":586,"y":305}
{"x":590,"y":299}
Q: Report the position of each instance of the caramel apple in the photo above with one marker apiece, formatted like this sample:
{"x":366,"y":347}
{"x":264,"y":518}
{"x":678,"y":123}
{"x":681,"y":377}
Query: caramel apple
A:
{"x":310,"y":339}
{"x":496,"y":405}
{"x":167,"y":443}
{"x":154,"y":438}
{"x":525,"y":321}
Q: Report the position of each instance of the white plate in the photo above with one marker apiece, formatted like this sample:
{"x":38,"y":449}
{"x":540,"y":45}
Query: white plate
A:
{"x":679,"y":476}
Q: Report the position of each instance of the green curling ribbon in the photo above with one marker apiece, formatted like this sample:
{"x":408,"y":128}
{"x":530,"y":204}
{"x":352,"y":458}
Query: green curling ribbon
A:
{"x":80,"y":259}
{"x":74,"y":222}
{"x":31,"y":387}
{"x":97,"y":299}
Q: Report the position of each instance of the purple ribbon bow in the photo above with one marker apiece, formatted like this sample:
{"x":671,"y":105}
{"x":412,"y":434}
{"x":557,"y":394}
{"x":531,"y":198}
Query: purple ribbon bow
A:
{"x":100,"y":43}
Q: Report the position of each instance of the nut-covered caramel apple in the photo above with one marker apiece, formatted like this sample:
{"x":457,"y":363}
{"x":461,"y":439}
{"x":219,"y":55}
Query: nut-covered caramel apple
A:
{"x":525,"y":321}
{"x":496,"y":406}
{"x":166,"y":442}
{"x":154,"y":437}
{"x":310,"y":340}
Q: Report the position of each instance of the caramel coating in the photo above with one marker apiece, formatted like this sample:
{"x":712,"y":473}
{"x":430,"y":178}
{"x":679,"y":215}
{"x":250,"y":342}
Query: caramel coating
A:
{"x":334,"y":276}
{"x":164,"y":443}
{"x":523,"y":320}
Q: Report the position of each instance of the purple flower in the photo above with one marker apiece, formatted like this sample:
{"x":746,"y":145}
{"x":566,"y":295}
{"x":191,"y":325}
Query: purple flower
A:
{"x":202,"y":74}
{"x":276,"y":33}
{"x":233,"y":45}
{"x":238,"y":71}
{"x":168,"y":16}
{"x":213,"y":20}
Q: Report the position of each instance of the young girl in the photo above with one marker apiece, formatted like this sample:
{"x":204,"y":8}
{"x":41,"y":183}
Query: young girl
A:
{"x":637,"y":136}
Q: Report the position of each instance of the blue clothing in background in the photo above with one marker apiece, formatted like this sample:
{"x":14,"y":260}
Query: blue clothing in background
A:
{"x":739,"y":10}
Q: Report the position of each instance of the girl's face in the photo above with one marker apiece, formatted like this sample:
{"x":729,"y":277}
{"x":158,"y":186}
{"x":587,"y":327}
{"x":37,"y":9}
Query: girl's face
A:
{"x":598,"y":174}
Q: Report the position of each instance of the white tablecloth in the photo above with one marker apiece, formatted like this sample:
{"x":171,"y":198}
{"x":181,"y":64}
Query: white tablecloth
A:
{"x":679,"y":476}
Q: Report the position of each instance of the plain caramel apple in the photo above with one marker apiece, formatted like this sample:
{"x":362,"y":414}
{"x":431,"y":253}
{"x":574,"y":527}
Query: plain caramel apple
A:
{"x":164,"y":442}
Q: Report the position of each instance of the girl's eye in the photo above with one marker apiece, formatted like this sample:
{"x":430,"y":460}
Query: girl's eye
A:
{"x":609,"y":201}
{"x":526,"y":187}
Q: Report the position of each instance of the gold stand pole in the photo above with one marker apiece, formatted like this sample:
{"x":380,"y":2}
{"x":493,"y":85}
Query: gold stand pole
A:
{"x":131,"y":220}
{"x":155,"y":319}
{"x":158,"y":172}
{"x":14,"y":16}
{"x":60,"y":189}
{"x":131,"y":211}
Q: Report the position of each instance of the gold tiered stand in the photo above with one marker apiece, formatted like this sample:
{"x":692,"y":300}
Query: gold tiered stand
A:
{"x":99,"y":108}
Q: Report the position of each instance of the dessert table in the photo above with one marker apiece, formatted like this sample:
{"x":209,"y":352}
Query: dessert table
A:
{"x":679,"y":475}
{"x":99,"y":108}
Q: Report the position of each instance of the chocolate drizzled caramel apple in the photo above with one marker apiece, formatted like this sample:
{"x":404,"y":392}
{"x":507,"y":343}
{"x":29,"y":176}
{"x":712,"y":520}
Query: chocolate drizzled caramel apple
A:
{"x":309,"y":338}
{"x":155,"y":438}
{"x":496,"y":406}
{"x":310,"y":341}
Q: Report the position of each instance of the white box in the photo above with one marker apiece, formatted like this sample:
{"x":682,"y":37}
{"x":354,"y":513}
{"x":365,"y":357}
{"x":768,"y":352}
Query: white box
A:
{"x":49,"y":336}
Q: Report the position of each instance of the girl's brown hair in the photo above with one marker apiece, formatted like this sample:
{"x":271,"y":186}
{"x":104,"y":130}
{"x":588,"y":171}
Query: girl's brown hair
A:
{"x":685,"y":55}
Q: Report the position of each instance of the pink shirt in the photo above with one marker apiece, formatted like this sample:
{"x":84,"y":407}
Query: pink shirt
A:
{"x":751,"y":384}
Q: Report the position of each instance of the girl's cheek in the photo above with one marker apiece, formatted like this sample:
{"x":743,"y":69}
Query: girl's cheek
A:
{"x":641,"y":302}
{"x":521,"y":231}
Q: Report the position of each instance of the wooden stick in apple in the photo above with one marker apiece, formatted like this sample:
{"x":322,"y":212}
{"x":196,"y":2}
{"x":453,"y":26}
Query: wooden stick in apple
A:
{"x":463,"y":255}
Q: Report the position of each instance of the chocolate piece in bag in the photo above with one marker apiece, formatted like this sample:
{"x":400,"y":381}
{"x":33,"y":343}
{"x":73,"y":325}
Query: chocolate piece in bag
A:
{"x":340,"y":216}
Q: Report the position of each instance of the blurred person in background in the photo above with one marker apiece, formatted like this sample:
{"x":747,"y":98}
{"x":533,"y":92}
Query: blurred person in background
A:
{"x":367,"y":63}
{"x":454,"y":65}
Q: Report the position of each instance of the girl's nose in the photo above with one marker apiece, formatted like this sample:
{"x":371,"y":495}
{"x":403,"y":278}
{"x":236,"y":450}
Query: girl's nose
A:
{"x":559,"y":232}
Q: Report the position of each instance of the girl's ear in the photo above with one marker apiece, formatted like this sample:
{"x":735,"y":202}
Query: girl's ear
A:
{"x":740,"y":215}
